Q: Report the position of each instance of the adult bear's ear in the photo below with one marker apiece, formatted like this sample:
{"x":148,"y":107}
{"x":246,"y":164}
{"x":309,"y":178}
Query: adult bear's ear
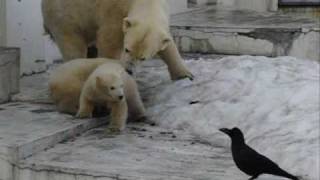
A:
{"x":127,"y":23}
{"x":165,"y":43}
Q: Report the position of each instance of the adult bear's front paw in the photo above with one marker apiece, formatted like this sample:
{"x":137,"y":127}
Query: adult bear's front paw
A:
{"x":83,"y":115}
{"x":182,"y":75}
{"x":112,"y":131}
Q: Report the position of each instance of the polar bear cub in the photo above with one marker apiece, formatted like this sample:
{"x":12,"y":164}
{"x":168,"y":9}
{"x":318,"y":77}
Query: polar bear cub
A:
{"x":99,"y":82}
{"x":112,"y":86}
{"x":67,"y":80}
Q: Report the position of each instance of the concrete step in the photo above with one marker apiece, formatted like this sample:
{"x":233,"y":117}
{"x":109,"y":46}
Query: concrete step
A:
{"x":142,"y":152}
{"x":26,"y":129}
{"x":38,"y":143}
{"x":239,"y":32}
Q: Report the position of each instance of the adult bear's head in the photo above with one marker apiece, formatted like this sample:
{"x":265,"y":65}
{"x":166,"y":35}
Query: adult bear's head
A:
{"x":143,"y":40}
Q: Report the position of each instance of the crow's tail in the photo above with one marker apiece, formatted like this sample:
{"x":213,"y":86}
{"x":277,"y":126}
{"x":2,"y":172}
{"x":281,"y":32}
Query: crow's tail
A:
{"x":283,"y":173}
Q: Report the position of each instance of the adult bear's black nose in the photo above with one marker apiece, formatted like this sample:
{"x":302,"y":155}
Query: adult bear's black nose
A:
{"x":120,"y":97}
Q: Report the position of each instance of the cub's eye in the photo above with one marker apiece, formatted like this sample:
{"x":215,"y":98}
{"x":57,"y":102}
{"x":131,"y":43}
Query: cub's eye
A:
{"x":112,"y":88}
{"x":127,"y":50}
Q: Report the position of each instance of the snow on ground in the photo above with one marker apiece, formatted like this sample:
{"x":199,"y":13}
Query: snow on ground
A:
{"x":275,"y":101}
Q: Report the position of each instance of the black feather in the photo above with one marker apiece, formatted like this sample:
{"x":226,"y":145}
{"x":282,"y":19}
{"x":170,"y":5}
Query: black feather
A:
{"x":250,"y":161}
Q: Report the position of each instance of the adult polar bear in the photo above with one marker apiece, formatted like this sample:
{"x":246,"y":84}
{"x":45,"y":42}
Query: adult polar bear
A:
{"x":121,"y":29}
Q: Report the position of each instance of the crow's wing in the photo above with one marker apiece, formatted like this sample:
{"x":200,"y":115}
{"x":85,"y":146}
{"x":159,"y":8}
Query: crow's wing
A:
{"x":254,"y":160}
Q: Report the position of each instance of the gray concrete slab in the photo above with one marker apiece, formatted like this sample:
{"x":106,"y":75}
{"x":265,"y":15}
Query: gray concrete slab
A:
{"x":25,"y":126}
{"x":34,"y":89}
{"x":213,"y":17}
{"x":240,"y":32}
{"x":26,"y":129}
{"x":271,"y":100}
{"x":142,"y":152}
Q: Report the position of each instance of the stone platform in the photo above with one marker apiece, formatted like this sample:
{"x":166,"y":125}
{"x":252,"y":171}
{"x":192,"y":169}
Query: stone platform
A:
{"x":271,"y":99}
{"x":240,"y":32}
{"x":26,"y":129}
{"x":142,"y":152}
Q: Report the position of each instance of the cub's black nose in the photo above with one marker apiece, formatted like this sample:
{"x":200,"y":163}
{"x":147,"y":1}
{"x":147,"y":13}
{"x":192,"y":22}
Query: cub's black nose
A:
{"x":120,"y":97}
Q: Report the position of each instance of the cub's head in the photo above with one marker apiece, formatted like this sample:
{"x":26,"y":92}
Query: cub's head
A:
{"x":111,"y":86}
{"x":142,"y":40}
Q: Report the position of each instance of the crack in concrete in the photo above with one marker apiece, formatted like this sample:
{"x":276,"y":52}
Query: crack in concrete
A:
{"x":209,"y":48}
{"x":280,"y":38}
{"x":47,"y":68}
{"x":75,"y":174}
{"x":34,"y":73}
{"x":6,"y":63}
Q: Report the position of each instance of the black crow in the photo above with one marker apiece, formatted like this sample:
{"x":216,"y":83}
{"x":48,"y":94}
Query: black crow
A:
{"x":249,"y":161}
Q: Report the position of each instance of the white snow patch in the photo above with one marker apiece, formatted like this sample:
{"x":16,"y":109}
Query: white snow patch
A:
{"x":275,"y":101}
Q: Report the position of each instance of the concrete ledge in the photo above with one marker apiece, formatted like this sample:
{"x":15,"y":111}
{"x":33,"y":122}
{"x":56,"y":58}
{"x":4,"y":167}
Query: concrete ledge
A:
{"x":246,"y":33}
{"x":261,"y":6}
{"x":268,"y":98}
{"x":26,"y":129}
{"x":143,"y":152}
{"x":9,"y":72}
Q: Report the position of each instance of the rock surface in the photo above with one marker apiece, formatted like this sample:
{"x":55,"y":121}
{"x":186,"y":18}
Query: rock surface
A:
{"x":142,"y":152}
{"x":26,"y":129}
{"x":275,"y":101}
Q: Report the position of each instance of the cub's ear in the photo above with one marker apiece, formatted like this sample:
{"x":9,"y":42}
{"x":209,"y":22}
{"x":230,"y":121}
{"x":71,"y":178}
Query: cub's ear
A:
{"x":165,"y":43}
{"x":127,"y":23}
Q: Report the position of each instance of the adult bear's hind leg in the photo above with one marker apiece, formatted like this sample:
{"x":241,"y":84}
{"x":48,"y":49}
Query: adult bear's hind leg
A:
{"x":72,"y":46}
{"x":109,"y":42}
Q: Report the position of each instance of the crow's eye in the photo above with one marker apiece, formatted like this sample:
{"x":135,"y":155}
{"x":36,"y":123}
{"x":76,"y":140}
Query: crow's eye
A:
{"x":127,"y":50}
{"x":112,"y":88}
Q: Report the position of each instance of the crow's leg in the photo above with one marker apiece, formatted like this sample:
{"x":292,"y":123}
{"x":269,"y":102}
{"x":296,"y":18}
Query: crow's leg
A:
{"x":254,"y":177}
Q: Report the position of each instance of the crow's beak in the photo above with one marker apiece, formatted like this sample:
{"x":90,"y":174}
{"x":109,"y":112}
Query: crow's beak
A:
{"x":225,"y":130}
